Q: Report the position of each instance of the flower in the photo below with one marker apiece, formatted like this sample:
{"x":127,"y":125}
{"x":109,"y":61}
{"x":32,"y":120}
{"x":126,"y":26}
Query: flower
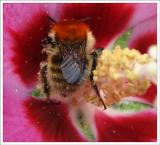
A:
{"x":30,"y":119}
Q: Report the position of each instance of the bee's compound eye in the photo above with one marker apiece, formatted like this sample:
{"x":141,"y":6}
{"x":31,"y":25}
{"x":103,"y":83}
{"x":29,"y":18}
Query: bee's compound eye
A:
{"x":53,"y":43}
{"x":48,"y":41}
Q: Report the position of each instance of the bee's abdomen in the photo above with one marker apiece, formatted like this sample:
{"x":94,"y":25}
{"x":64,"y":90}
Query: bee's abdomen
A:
{"x":57,"y":77}
{"x":56,"y":59}
{"x":54,"y":68}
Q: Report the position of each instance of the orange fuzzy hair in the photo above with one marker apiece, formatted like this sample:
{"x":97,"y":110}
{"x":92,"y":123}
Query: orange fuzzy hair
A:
{"x":71,"y":30}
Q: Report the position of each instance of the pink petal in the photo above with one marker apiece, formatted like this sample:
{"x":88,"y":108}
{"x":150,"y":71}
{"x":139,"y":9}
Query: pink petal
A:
{"x":136,"y":127}
{"x":143,"y":12}
{"x":144,"y":35}
{"x":16,"y":127}
{"x":27,"y":42}
{"x":106,"y":20}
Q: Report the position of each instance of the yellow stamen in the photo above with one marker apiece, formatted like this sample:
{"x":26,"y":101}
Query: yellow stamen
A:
{"x":115,"y":74}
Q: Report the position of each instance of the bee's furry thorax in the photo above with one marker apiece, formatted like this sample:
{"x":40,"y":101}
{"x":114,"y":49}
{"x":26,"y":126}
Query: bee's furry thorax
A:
{"x":67,"y":47}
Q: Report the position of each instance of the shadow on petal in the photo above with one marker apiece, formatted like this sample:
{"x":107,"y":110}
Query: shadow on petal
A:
{"x":52,"y":120}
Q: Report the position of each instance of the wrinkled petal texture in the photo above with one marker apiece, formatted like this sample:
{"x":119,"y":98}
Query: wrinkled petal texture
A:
{"x":137,"y":127}
{"x":25,"y":25}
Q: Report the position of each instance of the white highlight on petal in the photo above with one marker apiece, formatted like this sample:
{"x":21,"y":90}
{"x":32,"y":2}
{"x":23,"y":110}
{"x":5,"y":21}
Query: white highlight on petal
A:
{"x":149,"y":71}
{"x":151,"y":68}
{"x":152,"y":51}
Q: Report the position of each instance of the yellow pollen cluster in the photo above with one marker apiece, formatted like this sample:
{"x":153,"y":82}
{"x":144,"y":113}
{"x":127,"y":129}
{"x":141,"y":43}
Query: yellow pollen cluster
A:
{"x":115,"y":74}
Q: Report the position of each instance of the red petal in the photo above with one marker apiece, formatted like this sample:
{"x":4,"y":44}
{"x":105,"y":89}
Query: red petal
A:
{"x":138,"y":127}
{"x":150,"y":94}
{"x":52,"y":120}
{"x":143,"y":42}
{"x":106,"y":20}
{"x":27,"y":47}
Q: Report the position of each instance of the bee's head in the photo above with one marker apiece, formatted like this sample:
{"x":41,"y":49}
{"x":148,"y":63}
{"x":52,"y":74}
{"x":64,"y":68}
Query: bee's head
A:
{"x":71,"y":31}
{"x":73,"y":38}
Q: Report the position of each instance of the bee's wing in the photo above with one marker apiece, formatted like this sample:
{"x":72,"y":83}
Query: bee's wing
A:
{"x":73,"y":64}
{"x":71,"y":70}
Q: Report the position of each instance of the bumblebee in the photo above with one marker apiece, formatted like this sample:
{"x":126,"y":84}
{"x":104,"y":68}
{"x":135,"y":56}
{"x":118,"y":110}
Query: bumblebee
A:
{"x":69,"y":50}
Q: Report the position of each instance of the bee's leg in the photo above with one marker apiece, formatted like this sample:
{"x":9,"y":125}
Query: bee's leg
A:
{"x":44,"y":79}
{"x":47,"y":50}
{"x":94,"y":55}
{"x":96,"y":90}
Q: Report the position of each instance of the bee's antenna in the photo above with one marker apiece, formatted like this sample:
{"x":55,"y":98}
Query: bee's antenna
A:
{"x":52,"y":20}
{"x":85,"y":19}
